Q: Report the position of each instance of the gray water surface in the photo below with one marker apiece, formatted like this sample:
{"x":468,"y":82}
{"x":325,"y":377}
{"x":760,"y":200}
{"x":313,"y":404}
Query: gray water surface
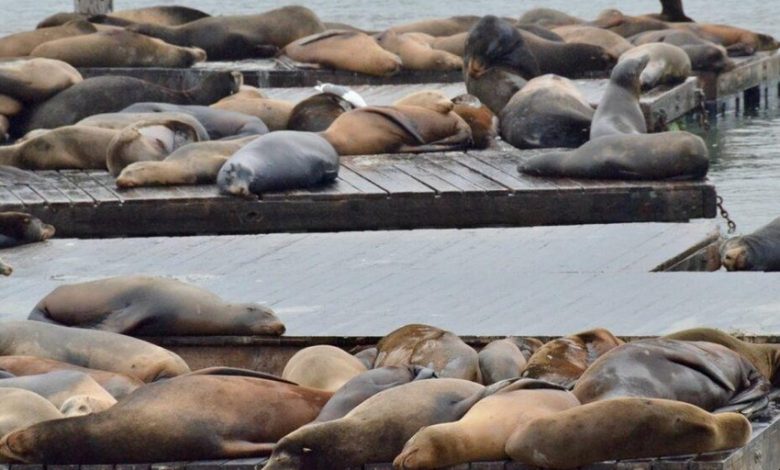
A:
{"x":745,"y":157}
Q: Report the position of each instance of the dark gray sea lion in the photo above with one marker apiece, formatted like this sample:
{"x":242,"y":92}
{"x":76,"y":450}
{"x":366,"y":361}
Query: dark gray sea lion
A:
{"x":239,"y":37}
{"x":22,"y":44}
{"x":323,"y":367}
{"x":624,"y":429}
{"x":113,"y":93}
{"x":277,"y":161}
{"x":495,"y":87}
{"x":737,"y":41}
{"x":619,"y":111}
{"x":317,"y":113}
{"x":672,"y":11}
{"x":432,"y":347}
{"x":705,"y":374}
{"x":195,"y":417}
{"x":344,"y":50}
{"x":19,"y":228}
{"x":668,"y":64}
{"x":152,"y":306}
{"x":364,"y":386}
{"x":60,"y":386}
{"x":705,"y":56}
{"x":549,"y":111}
{"x":376,"y":430}
{"x":220,"y":124}
{"x":164,"y":15}
{"x":367,"y":356}
{"x":668,"y":155}
{"x":35,"y":80}
{"x":92,"y":349}
{"x":758,"y":251}
{"x":624,"y":25}
{"x":549,"y":18}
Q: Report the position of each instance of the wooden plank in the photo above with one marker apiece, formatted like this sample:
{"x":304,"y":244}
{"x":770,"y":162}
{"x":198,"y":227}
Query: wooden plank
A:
{"x":9,"y":200}
{"x":50,"y":194}
{"x":97,"y":191}
{"x":367,"y":188}
{"x":378,"y":171}
{"x":27,"y":195}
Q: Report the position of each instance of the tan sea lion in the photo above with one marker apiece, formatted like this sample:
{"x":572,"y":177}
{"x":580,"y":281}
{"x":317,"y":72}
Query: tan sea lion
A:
{"x":758,"y":251}
{"x":482,"y":434}
{"x":64,"y":148}
{"x":562,"y":361}
{"x":195,"y":163}
{"x":195,"y":417}
{"x":613,"y":43}
{"x":119,"y":48}
{"x":431,"y":99}
{"x":322,"y":367}
{"x":21,"y":408}
{"x":92,"y":349}
{"x":737,"y":41}
{"x":165,"y":15}
{"x":19,"y":228}
{"x":668,"y":64}
{"x":152,"y":306}
{"x":619,"y":111}
{"x":219,"y":123}
{"x":274,"y":113}
{"x":506,"y":358}
{"x":9,"y":106}
{"x":35,"y":80}
{"x":386,"y":129}
{"x":344,"y":50}
{"x":416,"y":54}
{"x":375,"y":431}
{"x":479,"y":117}
{"x":22,"y":44}
{"x":118,"y":385}
{"x":549,"y":18}
{"x":455,"y":44}
{"x":60,"y":386}
{"x":432,"y":347}
{"x":625,"y":25}
{"x":624,"y":429}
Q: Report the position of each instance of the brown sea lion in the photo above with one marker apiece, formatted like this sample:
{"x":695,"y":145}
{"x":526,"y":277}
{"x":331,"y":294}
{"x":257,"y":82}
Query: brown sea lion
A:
{"x":619,"y":111}
{"x":613,"y":43}
{"x":322,"y":367}
{"x":737,"y":41}
{"x":344,"y":50}
{"x":195,"y":163}
{"x":22,"y":44}
{"x":431,"y":99}
{"x":386,"y":129}
{"x":64,"y":148}
{"x":495,"y":87}
{"x":707,"y":375}
{"x":668,"y":64}
{"x":241,"y":36}
{"x":482,"y":433}
{"x":624,"y":429}
{"x":416,"y":54}
{"x":60,"y":386}
{"x":19,"y":228}
{"x":705,"y":55}
{"x":479,"y":117}
{"x":505,"y":358}
{"x":118,"y":385}
{"x":10,"y":106}
{"x":758,"y":251}
{"x":439,"y":26}
{"x":119,"y":48}
{"x":625,"y":25}
{"x":316,"y":113}
{"x":375,"y":431}
{"x":21,"y":408}
{"x":562,"y":361}
{"x":152,"y":306}
{"x":35,"y":80}
{"x":549,"y":18}
{"x":432,"y":347}
{"x":274,"y":113}
{"x":455,"y":44}
{"x":164,"y":15}
{"x":195,"y":417}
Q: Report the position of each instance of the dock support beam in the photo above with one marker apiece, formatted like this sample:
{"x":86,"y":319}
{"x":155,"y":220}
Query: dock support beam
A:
{"x":93,"y":7}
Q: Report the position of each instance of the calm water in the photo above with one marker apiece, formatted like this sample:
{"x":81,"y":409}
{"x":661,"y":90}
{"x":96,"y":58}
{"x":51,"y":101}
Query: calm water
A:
{"x":746,"y":160}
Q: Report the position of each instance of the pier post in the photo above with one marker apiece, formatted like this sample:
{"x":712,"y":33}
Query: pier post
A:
{"x":93,"y":7}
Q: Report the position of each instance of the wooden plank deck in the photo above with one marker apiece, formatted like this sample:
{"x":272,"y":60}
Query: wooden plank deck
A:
{"x":443,"y":190}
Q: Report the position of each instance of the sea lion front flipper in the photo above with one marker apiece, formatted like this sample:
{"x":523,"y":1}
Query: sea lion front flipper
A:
{"x":245,"y":449}
{"x":398,"y":118}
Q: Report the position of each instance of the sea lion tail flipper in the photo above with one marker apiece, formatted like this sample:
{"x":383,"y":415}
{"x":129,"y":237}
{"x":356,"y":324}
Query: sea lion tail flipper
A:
{"x":244,"y":449}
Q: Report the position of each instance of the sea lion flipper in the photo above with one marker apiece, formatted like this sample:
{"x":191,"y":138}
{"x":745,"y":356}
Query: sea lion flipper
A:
{"x":694,"y":362}
{"x":399,"y":119}
{"x":325,"y":35}
{"x":245,"y":449}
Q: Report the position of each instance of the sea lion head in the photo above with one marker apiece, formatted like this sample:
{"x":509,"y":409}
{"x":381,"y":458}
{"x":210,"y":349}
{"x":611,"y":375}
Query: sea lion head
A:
{"x":18,"y":446}
{"x":137,"y":174}
{"x":5,"y":269}
{"x":234,"y":179}
{"x":627,"y":73}
{"x":82,"y":405}
{"x":767,"y":42}
{"x":264,"y":320}
{"x":428,"y":448}
{"x":287,"y":455}
{"x":482,"y":121}
{"x":25,"y":227}
{"x":734,"y":255}
{"x":494,"y":42}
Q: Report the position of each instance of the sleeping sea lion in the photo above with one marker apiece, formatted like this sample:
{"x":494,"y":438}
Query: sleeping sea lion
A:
{"x":506,"y":358}
{"x":35,"y":80}
{"x":21,"y":408}
{"x":416,"y":54}
{"x":758,"y":251}
{"x":481,"y":120}
{"x":322,"y":367}
{"x":705,"y":56}
{"x":344,"y":50}
{"x":64,"y":148}
{"x":165,"y":15}
{"x":60,"y":386}
{"x":19,"y":228}
{"x":220,"y":124}
{"x":668,"y":64}
{"x":22,"y":44}
{"x":613,"y":43}
{"x":737,"y":41}
{"x":549,"y":18}
{"x":274,"y":113}
{"x":625,"y":25}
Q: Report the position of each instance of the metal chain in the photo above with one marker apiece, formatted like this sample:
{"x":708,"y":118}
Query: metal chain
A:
{"x":725,"y":214}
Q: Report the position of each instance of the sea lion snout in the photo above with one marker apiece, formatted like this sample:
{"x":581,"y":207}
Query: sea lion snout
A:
{"x":733,"y":258}
{"x":11,"y":447}
{"x":476,"y":68}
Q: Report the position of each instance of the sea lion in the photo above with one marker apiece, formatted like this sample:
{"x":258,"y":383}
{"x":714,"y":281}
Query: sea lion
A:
{"x":6,"y":269}
{"x":316,"y":113}
{"x":416,"y":54}
{"x":19,"y":228}
{"x":455,"y":44}
{"x":119,"y":48}
{"x":92,"y":349}
{"x":481,"y":434}
{"x":195,"y":163}
{"x":397,"y":129}
{"x":367,"y":356}
{"x":278,"y":161}
{"x":121,"y":120}
{"x":495,"y":87}
{"x":549,"y":18}
{"x":432,"y":347}
{"x":672,"y":11}
{"x":764,"y":357}
{"x":322,"y":367}
{"x":59,"y":386}
{"x":241,"y":36}
{"x":613,"y":43}
{"x":64,"y":148}
{"x":5,"y":127}
{"x":668,"y":64}
{"x":367,"y":384}
{"x":707,"y":375}
{"x":562,"y":361}
{"x":439,"y":26}
{"x":219,"y":123}
{"x":625,"y":25}
{"x":344,"y":50}
{"x":758,"y":251}
{"x":22,"y":44}
{"x":494,"y":42}
{"x":624,"y":429}
{"x":10,"y":106}
{"x":21,"y":408}
{"x":274,"y":113}
{"x":110,"y":94}
{"x":505,"y":358}
{"x":118,"y":385}
{"x":35,"y":80}
{"x":194,"y":417}
{"x":674,"y":155}
{"x":549,"y":111}
{"x":81,"y":405}
{"x":431,"y":99}
{"x":152,"y":306}
{"x":147,"y":142}
{"x":164,"y":15}
{"x":619,"y":111}
{"x":481,"y":120}
{"x":737,"y":41}
{"x":705,"y":56}
{"x":375,"y":431}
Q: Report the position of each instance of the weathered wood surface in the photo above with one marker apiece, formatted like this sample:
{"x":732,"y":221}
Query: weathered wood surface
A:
{"x":761,"y":69}
{"x":442,"y":190}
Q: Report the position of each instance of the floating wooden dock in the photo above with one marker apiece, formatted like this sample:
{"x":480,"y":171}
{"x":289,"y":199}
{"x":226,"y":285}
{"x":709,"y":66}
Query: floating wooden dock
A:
{"x":442,"y":190}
